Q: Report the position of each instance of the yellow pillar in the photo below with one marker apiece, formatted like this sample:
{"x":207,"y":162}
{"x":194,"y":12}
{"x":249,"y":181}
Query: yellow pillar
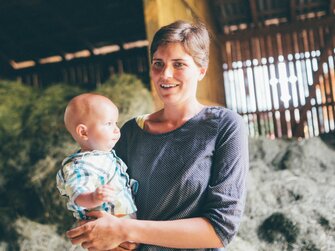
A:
{"x":162,"y":12}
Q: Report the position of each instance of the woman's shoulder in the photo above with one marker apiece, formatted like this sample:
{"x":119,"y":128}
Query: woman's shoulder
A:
{"x":223,"y":115}
{"x":129,"y":124}
{"x":229,"y":124}
{"x":226,"y":120}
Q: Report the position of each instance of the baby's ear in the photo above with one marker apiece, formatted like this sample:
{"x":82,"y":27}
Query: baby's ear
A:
{"x":81,"y":131}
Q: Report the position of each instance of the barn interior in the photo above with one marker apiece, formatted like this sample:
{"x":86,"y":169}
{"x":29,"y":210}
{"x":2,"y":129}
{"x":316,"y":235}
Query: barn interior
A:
{"x":272,"y":61}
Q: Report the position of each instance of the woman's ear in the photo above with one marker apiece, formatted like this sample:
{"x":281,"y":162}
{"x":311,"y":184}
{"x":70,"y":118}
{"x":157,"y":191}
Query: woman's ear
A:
{"x":202,"y":74}
{"x":81,"y":131}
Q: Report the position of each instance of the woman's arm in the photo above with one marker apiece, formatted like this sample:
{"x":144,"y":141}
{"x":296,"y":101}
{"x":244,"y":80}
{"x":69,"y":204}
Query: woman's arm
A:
{"x":108,"y":232}
{"x":183,"y":233}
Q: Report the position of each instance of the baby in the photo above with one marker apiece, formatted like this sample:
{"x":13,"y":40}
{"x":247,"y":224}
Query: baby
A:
{"x":94,"y":178}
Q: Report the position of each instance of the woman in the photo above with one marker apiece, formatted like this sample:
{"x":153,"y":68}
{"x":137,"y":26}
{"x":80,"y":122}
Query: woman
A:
{"x":191,"y":160}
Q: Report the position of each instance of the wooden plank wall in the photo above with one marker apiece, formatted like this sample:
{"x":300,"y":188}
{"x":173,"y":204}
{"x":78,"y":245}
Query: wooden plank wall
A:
{"x":88,"y":72}
{"x":283,"y":83}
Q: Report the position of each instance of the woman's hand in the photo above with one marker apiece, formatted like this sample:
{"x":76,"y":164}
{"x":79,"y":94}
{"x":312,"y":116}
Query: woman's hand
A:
{"x":123,"y":247}
{"x":104,"y":233}
{"x":128,"y":246}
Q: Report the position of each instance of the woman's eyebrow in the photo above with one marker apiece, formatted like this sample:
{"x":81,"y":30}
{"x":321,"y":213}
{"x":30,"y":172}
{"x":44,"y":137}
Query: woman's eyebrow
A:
{"x":174,"y":59}
{"x":178,"y":59}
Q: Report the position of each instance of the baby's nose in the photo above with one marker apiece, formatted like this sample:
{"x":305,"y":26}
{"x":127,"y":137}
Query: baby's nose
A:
{"x":116,"y":129}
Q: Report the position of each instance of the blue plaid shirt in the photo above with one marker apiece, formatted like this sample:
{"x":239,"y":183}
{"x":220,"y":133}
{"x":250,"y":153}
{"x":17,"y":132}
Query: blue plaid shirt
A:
{"x":85,"y":171}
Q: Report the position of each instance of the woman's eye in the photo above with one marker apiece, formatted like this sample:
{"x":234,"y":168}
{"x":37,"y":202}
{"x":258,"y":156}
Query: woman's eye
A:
{"x":158,"y":64}
{"x":179,"y":65}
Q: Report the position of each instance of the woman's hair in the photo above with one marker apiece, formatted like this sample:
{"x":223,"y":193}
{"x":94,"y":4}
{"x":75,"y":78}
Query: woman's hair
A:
{"x":193,"y":37}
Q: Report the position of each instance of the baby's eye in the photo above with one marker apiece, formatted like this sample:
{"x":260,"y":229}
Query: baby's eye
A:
{"x":109,"y":123}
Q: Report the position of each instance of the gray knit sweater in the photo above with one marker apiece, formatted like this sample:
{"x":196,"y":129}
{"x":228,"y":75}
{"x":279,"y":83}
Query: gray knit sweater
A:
{"x":196,"y":170}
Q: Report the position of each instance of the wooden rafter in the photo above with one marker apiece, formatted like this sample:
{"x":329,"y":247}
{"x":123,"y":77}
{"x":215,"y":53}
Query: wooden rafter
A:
{"x":287,"y":27}
{"x":253,"y":11}
{"x":293,"y":10}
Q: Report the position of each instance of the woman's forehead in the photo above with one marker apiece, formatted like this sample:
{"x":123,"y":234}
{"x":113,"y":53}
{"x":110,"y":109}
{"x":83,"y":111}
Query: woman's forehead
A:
{"x":172,"y":50}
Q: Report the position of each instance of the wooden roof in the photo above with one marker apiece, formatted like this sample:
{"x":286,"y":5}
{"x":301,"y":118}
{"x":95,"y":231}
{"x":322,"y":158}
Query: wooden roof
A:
{"x":35,"y":29}
{"x":232,"y":16}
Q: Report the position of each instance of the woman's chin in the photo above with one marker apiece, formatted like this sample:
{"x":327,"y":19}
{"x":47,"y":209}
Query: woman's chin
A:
{"x":170,"y":98}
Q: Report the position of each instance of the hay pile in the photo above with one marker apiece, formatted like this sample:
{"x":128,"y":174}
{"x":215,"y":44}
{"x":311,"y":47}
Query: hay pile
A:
{"x":290,"y":203}
{"x":291,"y":197}
{"x":38,"y":237}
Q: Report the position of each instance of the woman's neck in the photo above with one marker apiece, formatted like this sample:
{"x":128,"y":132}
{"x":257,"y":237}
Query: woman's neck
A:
{"x":171,"y":117}
{"x":180,"y":113}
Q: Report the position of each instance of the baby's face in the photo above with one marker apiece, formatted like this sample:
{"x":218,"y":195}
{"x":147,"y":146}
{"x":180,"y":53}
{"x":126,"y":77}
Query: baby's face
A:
{"x":103,"y":132}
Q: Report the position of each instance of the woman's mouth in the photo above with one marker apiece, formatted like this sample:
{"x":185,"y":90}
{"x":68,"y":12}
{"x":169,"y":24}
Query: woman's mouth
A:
{"x":168,"y":86}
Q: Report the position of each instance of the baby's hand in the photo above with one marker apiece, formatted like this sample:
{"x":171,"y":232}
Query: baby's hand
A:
{"x":103,"y":194}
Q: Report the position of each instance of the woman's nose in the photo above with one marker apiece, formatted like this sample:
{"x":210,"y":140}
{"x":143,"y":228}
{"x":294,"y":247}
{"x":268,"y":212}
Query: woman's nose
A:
{"x":167,"y":72}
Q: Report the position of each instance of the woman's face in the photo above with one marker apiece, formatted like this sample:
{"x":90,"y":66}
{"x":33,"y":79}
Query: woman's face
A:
{"x":175,"y":74}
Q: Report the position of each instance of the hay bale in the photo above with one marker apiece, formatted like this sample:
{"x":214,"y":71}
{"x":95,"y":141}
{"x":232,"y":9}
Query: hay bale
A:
{"x":295,"y":179}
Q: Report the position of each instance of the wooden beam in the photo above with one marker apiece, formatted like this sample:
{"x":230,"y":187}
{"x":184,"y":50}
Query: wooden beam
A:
{"x":288,"y":27}
{"x":293,"y":10}
{"x":253,"y":12}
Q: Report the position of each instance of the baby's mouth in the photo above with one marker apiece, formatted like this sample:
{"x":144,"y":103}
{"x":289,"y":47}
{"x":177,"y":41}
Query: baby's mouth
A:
{"x":168,"y":86}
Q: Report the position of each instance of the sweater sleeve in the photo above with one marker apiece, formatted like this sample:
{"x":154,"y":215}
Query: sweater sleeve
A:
{"x":226,"y":191}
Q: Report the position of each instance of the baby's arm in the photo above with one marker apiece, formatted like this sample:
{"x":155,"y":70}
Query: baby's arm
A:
{"x":96,"y":198}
